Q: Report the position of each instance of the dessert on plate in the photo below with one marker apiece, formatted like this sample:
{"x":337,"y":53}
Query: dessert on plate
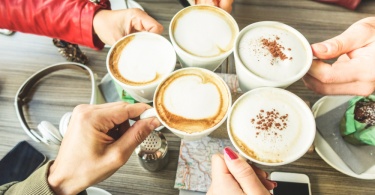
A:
{"x":358,"y":124}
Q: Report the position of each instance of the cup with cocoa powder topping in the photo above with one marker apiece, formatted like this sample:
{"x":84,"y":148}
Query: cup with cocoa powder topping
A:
{"x":271,"y":54}
{"x":271,"y":126}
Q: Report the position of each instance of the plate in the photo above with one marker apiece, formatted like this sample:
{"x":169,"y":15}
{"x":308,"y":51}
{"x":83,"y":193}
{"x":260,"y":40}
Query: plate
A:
{"x":323,"y":149}
{"x":96,"y":191}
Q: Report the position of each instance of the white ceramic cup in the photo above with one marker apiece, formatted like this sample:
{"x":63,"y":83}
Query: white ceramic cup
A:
{"x":191,"y":102}
{"x":271,"y":54}
{"x":203,"y":36}
{"x":139,"y":61}
{"x":271,"y":126}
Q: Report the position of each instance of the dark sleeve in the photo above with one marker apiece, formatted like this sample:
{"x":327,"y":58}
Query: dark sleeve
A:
{"x":36,"y":183}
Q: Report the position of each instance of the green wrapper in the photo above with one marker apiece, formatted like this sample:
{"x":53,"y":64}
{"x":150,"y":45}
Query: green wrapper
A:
{"x":353,"y":131}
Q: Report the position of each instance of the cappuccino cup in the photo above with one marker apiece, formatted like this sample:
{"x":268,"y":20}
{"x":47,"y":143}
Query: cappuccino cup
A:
{"x":203,"y":36}
{"x":191,"y":102}
{"x":271,"y":54}
{"x":139,"y":61}
{"x":271,"y":126}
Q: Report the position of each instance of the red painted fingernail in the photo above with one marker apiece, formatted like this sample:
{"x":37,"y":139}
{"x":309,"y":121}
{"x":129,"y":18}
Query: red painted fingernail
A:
{"x":230,"y":153}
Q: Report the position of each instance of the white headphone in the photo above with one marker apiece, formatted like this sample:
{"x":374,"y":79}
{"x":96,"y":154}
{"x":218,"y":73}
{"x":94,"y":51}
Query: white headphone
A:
{"x":49,"y":133}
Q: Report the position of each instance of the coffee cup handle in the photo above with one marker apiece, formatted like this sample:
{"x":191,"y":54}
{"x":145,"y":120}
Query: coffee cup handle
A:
{"x":148,"y":114}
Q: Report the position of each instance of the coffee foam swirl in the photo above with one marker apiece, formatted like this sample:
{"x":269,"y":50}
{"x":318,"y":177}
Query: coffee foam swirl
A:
{"x":273,"y":143}
{"x":138,"y":60}
{"x":258,"y":59}
{"x":192,"y":101}
{"x":203,"y":31}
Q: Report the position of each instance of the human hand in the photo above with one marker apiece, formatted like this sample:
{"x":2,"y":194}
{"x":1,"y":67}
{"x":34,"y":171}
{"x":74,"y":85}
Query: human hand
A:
{"x":111,"y":25}
{"x":354,"y":71}
{"x":223,"y":4}
{"x":233,"y":175}
{"x":88,"y":154}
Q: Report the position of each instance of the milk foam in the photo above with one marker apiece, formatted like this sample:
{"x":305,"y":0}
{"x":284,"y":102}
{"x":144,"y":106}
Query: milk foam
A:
{"x":257,"y":58}
{"x":144,"y":60}
{"x":204,"y":32}
{"x":191,"y":98}
{"x":271,"y":145}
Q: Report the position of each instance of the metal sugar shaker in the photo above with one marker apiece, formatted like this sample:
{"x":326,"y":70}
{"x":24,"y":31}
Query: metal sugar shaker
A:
{"x":153,"y":152}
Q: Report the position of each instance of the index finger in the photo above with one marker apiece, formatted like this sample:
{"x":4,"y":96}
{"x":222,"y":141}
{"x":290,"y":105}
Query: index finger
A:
{"x":118,"y":113}
{"x":150,"y":24}
{"x":226,"y":5}
{"x":338,"y":72}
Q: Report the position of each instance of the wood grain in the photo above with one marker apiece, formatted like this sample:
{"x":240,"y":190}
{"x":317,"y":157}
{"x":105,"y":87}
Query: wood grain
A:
{"x":23,"y":54}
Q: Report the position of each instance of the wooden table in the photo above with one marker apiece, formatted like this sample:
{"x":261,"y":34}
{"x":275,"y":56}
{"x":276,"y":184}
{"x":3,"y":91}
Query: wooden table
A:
{"x":23,"y":54}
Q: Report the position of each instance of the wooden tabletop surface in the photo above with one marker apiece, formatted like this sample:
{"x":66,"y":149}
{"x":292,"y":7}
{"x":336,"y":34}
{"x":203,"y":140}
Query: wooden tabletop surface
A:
{"x":21,"y":55}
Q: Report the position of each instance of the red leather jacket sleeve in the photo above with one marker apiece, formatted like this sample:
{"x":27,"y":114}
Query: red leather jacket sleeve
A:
{"x":69,"y":20}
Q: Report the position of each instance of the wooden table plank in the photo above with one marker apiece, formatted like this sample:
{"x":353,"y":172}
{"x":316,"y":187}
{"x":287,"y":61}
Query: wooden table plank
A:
{"x":21,"y":55}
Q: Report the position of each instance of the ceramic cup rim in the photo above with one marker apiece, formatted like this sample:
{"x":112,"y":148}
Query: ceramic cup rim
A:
{"x":308,"y":140}
{"x":202,"y":58}
{"x":204,"y":132}
{"x":294,"y":31}
{"x":149,"y":85}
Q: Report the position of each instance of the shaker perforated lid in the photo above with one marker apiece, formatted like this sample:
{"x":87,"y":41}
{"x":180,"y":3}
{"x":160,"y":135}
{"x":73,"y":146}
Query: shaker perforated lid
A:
{"x":152,"y":152}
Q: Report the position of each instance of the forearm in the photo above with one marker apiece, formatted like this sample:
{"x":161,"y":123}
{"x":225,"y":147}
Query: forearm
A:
{"x":67,"y":20}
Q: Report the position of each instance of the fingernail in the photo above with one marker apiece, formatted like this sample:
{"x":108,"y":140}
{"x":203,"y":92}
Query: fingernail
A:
{"x":321,"y":47}
{"x":230,"y":153}
{"x":154,"y":124}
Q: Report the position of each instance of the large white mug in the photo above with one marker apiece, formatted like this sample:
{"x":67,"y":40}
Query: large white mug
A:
{"x":139,"y":61}
{"x":203,"y":36}
{"x":191,"y":102}
{"x":271,"y":126}
{"x":271,"y":54}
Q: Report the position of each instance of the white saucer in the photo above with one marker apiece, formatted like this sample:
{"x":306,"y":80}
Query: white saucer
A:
{"x":96,"y":191}
{"x":121,"y":4}
{"x":322,"y":106}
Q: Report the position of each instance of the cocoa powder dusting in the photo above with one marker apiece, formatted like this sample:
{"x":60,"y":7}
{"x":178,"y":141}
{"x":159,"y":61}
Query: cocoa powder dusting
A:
{"x":275,"y":48}
{"x":270,"y":120}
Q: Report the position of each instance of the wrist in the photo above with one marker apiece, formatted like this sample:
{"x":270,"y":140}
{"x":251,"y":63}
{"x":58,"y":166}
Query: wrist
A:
{"x":59,"y":184}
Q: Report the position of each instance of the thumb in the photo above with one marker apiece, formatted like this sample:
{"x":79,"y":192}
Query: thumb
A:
{"x":243,"y":173}
{"x":135,"y":135}
{"x":346,"y":42}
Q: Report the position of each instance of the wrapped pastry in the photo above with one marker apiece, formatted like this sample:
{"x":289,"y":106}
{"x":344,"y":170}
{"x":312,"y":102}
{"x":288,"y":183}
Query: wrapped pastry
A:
{"x":358,"y":124}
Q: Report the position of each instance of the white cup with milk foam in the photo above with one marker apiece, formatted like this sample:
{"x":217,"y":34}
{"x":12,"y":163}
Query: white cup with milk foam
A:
{"x":271,"y":54}
{"x":191,"y":102}
{"x":271,"y":126}
{"x":139,"y":61}
{"x":203,"y":36}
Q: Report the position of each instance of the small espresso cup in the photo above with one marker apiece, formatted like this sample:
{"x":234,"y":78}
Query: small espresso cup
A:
{"x":191,"y":102}
{"x":139,"y":61}
{"x":271,"y":126}
{"x":271,"y":54}
{"x":203,"y":36}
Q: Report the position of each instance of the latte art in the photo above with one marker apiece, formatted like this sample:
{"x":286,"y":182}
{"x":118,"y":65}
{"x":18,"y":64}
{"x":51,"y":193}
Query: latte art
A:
{"x":204,"y":31}
{"x":138,"y":60}
{"x":192,"y":100}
